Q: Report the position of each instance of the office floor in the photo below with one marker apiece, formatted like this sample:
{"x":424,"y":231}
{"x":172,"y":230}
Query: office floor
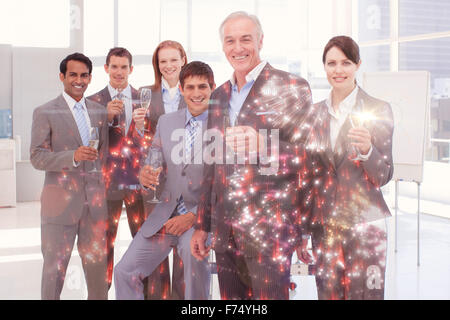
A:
{"x":21,"y":259}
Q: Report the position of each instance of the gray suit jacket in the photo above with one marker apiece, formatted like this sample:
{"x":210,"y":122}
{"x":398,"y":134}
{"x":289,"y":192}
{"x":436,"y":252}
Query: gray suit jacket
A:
{"x":54,"y":139}
{"x":181,"y":179}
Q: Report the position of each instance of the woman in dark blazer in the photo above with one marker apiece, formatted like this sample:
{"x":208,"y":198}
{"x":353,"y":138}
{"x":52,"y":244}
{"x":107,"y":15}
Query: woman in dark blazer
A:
{"x":168,"y":59}
{"x":351,"y":153}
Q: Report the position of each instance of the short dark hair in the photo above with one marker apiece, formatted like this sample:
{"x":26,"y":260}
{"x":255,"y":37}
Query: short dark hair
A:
{"x":197,"y":69}
{"x":77,"y":57}
{"x":119,"y":52}
{"x":347,"y":45}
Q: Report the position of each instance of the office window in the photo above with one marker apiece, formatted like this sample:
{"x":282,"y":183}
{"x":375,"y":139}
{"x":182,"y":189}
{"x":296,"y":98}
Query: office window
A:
{"x":206,"y":19}
{"x":374,"y":19}
{"x":432,"y":55}
{"x":423,"y":16}
{"x":422,"y":43}
{"x":375,"y":58}
{"x":142,"y":76}
{"x":139,"y":25}
{"x":98,"y":27}
{"x":174,"y":21}
{"x":44,"y":23}
{"x":99,"y":80}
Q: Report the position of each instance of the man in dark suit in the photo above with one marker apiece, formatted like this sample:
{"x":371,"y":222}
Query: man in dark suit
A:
{"x":73,"y":202}
{"x":122,"y":165}
{"x":251,"y":207}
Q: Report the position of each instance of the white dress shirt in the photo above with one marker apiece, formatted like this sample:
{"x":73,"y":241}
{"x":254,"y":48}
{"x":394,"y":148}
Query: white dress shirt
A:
{"x":339,"y":117}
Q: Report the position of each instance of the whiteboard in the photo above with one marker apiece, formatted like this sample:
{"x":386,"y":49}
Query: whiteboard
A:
{"x":408,"y":93}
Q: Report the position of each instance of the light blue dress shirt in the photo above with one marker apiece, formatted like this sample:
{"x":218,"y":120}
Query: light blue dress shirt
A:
{"x":170,"y":103}
{"x":237,"y":99}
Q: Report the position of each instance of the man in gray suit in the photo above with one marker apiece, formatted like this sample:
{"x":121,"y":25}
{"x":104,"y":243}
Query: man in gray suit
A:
{"x":73,"y":198}
{"x":170,"y":224}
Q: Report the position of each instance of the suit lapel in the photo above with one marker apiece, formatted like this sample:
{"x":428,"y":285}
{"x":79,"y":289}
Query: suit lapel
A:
{"x":182,"y":104}
{"x":323,"y":136}
{"x":105,"y":97}
{"x":340,"y":149}
{"x":135,"y":99}
{"x":67,"y":116}
{"x":157,"y":104}
{"x":249,"y":105}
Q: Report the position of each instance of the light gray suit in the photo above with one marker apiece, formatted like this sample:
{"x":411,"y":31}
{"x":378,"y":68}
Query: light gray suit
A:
{"x":72,"y":200}
{"x":149,"y":247}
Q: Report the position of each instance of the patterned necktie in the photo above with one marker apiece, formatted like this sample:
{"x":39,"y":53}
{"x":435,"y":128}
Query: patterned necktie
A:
{"x":192,"y":130}
{"x":83,"y":127}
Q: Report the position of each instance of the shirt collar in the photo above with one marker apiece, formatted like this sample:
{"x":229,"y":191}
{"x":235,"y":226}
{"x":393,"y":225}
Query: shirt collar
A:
{"x":252,"y":75}
{"x":71,"y":101}
{"x":165,"y":85}
{"x":201,"y":117}
{"x":113,"y":92}
{"x":345,"y":106}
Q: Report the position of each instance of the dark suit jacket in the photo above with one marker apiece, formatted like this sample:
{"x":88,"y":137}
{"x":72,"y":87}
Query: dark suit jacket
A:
{"x":122,"y":165}
{"x":344,"y":192}
{"x":54,"y":140}
{"x":264,"y":218}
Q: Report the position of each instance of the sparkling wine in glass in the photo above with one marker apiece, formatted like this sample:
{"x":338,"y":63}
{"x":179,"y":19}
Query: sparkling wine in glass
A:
{"x":146,"y":98}
{"x":356,"y":121}
{"x":93,"y":143}
{"x":155,"y":161}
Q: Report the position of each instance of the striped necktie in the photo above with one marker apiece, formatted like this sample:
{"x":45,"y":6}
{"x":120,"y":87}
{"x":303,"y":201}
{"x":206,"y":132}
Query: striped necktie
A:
{"x":80,"y":119}
{"x":192,"y":130}
{"x":191,"y":135}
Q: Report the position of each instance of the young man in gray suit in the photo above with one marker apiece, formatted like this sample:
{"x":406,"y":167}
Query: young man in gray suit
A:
{"x":170,"y":224}
{"x":73,"y":201}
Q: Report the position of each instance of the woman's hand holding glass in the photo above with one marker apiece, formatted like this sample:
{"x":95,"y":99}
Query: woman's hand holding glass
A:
{"x":361,"y":139}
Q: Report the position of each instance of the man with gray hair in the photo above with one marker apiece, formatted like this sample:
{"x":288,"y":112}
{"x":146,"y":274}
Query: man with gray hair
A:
{"x":253,"y":213}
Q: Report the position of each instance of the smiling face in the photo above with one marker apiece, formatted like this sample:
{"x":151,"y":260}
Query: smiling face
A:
{"x":170,"y":64}
{"x":196,"y":92}
{"x":76,"y":79}
{"x":341,"y":71}
{"x":241,"y":44}
{"x":118,"y":69}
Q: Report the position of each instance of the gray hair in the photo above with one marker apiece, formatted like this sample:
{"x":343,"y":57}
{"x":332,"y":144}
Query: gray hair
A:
{"x":242,"y":14}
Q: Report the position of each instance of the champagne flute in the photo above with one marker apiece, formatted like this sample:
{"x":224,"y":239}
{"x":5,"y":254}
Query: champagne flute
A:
{"x":356,"y":121}
{"x":120,"y":96}
{"x":93,"y":143}
{"x":154,"y":160}
{"x":146,"y":97}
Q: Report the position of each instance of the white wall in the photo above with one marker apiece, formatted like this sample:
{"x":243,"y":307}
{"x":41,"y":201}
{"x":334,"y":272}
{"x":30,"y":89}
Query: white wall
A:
{"x":5,"y":76}
{"x":35,"y":81}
